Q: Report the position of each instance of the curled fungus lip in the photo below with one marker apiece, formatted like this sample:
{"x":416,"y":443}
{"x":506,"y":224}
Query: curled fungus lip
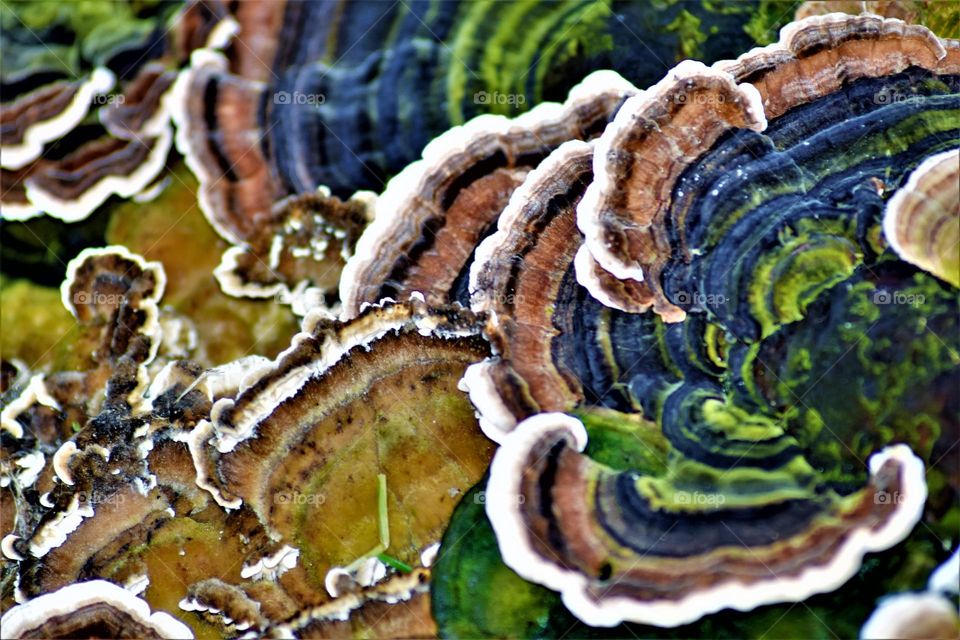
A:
{"x":920,"y":218}
{"x":98,"y":606}
{"x":594,"y":511}
{"x":46,"y":114}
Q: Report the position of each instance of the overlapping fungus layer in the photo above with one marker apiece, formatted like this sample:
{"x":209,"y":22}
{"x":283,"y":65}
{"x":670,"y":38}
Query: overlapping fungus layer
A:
{"x":744,"y":205}
{"x":85,"y":111}
{"x":712,"y":325}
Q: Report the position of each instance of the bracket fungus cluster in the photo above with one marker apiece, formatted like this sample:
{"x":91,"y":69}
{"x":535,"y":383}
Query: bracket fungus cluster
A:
{"x":224,"y":473}
{"x":90,"y":118}
{"x":743,"y":204}
{"x":285,"y":112}
{"x":661,"y":357}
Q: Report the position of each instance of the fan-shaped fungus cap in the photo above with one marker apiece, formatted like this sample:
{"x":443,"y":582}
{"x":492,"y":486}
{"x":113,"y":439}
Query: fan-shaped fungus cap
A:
{"x":619,"y":548}
{"x":90,"y":609}
{"x":435,"y":212}
{"x":637,"y":199}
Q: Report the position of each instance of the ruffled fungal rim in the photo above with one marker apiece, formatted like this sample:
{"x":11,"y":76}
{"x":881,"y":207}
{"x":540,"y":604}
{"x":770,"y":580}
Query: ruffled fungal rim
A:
{"x":407,"y":186}
{"x":124,"y":186}
{"x":229,"y":603}
{"x":220,"y":381}
{"x":495,"y":418}
{"x":592,"y":277}
{"x":61,"y":462}
{"x":515,"y":273}
{"x":592,"y":207}
{"x":272,"y":566}
{"x":939,"y":172}
{"x":149,"y":305}
{"x":399,"y":588}
{"x":946,"y":577}
{"x":503,"y":495}
{"x":35,"y":392}
{"x":209,"y":56}
{"x":154,"y":135}
{"x":9,"y":550}
{"x":29,"y":617}
{"x":17,"y":156}
{"x":792,"y":46}
{"x":153,"y":83}
{"x":197,"y":440}
{"x":300,"y":296}
{"x":55,"y":531}
{"x":19,"y":211}
{"x":26,"y":468}
{"x":232,"y":425}
{"x":233,"y":285}
{"x":899,"y":615}
{"x":604,"y":213}
{"x":480,"y":300}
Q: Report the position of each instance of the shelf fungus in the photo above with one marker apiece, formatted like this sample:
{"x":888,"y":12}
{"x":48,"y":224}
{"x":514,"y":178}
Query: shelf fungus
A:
{"x":644,"y":162}
{"x":76,"y":423}
{"x":358,"y":426}
{"x":932,"y":613}
{"x":83,"y":121}
{"x":113,"y":294}
{"x":90,"y":609}
{"x":433,"y":214}
{"x":624,"y":546}
{"x":297,"y":257}
{"x":287,"y":112}
{"x":371,"y":612}
{"x":763,"y":295}
{"x":613,"y":351}
{"x":202,"y":490}
{"x":292,"y":109}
